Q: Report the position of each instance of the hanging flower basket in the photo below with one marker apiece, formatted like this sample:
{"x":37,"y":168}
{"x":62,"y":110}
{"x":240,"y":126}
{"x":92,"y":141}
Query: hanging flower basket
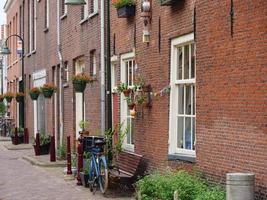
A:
{"x":79,"y":82}
{"x":131,"y":106}
{"x":34,"y":93}
{"x":48,"y":90}
{"x":127,"y":92}
{"x":125,"y":8}
{"x":20,"y":97}
{"x":9,"y":96}
{"x":126,"y":11}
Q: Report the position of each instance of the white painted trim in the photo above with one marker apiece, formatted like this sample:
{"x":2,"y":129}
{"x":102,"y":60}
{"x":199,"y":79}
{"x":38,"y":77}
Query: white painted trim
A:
{"x":123,"y":104}
{"x":180,"y":41}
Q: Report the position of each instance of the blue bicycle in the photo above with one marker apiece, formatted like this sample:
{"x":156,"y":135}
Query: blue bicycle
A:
{"x":98,"y":170}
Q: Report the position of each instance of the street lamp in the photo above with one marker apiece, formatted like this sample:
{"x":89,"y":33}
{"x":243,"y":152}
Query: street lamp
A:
{"x":5,"y":51}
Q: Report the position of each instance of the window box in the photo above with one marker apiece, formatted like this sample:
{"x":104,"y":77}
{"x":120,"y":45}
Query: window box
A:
{"x":166,"y":2}
{"x":126,"y":11}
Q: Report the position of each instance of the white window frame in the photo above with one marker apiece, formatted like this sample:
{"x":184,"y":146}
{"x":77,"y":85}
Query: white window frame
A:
{"x":95,"y":9}
{"x":123,"y":103}
{"x":85,"y":11}
{"x":173,"y":149}
{"x":47,"y":14}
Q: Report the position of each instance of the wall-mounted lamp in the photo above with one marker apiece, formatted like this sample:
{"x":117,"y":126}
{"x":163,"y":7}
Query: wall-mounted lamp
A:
{"x":146,"y":15}
{"x":146,"y":36}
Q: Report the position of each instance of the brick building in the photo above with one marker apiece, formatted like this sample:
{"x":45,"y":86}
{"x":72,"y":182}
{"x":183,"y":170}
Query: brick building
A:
{"x":214,"y":116}
{"x":72,"y":42}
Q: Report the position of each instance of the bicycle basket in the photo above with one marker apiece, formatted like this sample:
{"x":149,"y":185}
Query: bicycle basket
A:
{"x":89,"y":144}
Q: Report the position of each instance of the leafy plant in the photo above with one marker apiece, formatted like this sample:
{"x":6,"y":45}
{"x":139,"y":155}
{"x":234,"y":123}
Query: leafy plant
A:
{"x":122,"y":87}
{"x":74,"y":160}
{"x":9,"y":95}
{"x":83,"y":124}
{"x":2,"y":109}
{"x":44,"y":139}
{"x":49,"y":87}
{"x":61,"y":151}
{"x":189,"y":187}
{"x":82,"y":78}
{"x":121,"y":3}
{"x":35,"y":90}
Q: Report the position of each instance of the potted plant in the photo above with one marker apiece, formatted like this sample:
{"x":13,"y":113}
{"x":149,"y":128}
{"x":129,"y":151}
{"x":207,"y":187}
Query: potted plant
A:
{"x":20,"y":134}
{"x":34,"y":93}
{"x":84,"y":173}
{"x":125,"y":8}
{"x":48,"y":89}
{"x":9,"y":96}
{"x":83,"y":124}
{"x":123,"y":88}
{"x":2,"y":98}
{"x":79,"y":81}
{"x":45,"y":141}
{"x":19,"y":96}
{"x":130,"y":102}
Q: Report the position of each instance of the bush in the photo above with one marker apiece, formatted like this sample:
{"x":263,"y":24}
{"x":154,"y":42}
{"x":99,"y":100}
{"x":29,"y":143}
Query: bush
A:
{"x":215,"y":193}
{"x":162,"y":187}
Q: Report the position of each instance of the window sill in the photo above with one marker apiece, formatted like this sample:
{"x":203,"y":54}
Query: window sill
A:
{"x":92,"y":15}
{"x":63,"y":16}
{"x":65,"y":85}
{"x":84,"y":20}
{"x":183,"y":157}
{"x":34,"y":51}
{"x":28,"y":55}
{"x":46,"y":30}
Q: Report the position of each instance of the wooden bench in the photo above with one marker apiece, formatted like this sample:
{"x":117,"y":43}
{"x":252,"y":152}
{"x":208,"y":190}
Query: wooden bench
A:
{"x":128,"y":167}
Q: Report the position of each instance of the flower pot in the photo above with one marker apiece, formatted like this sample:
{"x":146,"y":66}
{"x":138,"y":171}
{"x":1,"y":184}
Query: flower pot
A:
{"x":127,"y":92}
{"x":19,"y":99}
{"x":79,"y":87}
{"x":133,"y":113}
{"x":47,"y":93}
{"x":20,"y":140}
{"x":84,"y":179}
{"x":131,"y":106}
{"x":44,"y":149}
{"x":9,"y":99}
{"x":34,"y":96}
{"x":126,"y":11}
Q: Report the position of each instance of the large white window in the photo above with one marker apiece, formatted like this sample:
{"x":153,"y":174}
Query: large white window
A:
{"x":182,"y":101}
{"x":127,"y":76}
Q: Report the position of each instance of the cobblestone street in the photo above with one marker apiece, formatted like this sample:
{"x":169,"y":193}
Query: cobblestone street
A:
{"x":21,"y":180}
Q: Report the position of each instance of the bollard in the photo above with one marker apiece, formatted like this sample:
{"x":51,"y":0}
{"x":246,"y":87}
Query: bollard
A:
{"x":52,"y":149}
{"x":16,"y":136}
{"x":240,"y":186}
{"x":80,"y":162}
{"x":68,"y":156}
{"x":37,"y":144}
{"x":26,"y":136}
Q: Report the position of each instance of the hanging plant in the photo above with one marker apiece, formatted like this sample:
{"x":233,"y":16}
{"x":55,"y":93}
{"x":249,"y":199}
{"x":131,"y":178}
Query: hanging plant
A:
{"x":123,"y":88}
{"x":48,"y":90}
{"x":2,"y":98}
{"x":19,"y":96}
{"x":125,"y":8}
{"x":34,"y":93}
{"x":79,"y":81}
{"x":9,"y":96}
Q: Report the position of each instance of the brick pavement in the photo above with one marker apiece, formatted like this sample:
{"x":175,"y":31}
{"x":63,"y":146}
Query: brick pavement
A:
{"x":21,"y":180}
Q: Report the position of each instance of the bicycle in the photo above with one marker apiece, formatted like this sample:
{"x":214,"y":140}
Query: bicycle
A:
{"x":98,"y":169}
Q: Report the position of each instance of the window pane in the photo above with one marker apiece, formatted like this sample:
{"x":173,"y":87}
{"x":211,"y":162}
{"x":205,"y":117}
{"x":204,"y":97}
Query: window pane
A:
{"x":130,"y":72}
{"x":180,"y":132}
{"x":193,"y":131}
{"x":188,"y":100}
{"x":188,"y":139}
{"x":179,"y":63}
{"x":192,"y":61}
{"x":186,"y":62}
{"x":132,"y":131}
{"x":181,"y":99}
{"x":126,"y":73}
{"x":129,"y":130}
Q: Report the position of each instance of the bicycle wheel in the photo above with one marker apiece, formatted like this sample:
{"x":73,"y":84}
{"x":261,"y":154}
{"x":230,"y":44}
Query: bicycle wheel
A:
{"x":103,"y":174}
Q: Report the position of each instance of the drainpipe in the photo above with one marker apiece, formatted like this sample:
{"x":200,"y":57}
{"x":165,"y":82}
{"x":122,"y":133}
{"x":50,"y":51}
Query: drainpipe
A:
{"x":60,"y":73}
{"x":102,"y":67}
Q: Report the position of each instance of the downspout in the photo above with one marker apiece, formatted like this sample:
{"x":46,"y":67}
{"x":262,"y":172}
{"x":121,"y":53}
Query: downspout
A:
{"x":102,"y":67}
{"x":60,"y":74}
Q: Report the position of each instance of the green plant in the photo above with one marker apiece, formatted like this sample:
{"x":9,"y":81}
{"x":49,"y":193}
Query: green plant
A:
{"x":61,"y":151}
{"x":121,"y":3}
{"x":113,"y":149}
{"x":49,"y":87}
{"x":2,"y":109}
{"x":35,"y":90}
{"x":73,"y":160}
{"x":44,"y":139}
{"x":215,"y":193}
{"x":82,"y":78}
{"x":122,"y":87}
{"x":83,"y":124}
{"x":189,"y":187}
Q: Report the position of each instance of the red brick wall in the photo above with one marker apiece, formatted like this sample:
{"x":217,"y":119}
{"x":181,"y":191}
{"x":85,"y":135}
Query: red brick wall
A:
{"x":231,"y":89}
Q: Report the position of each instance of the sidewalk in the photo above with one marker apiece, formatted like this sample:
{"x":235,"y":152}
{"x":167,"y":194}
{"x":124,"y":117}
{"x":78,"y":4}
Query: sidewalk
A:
{"x":43,"y":183}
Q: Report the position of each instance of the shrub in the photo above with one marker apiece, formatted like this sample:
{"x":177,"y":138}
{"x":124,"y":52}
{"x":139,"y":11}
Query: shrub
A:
{"x":215,"y":193}
{"x":121,"y":3}
{"x":162,"y":186}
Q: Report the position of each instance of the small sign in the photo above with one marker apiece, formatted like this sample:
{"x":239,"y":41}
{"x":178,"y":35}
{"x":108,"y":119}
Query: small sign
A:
{"x":19,"y":47}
